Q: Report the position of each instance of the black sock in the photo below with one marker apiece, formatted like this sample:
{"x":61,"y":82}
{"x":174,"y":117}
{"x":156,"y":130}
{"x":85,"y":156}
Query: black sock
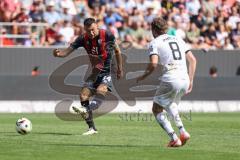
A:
{"x":89,"y":120}
{"x":85,"y":103}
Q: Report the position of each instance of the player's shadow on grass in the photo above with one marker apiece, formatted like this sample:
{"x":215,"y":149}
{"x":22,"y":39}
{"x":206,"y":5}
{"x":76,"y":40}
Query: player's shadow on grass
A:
{"x":53,"y":133}
{"x":107,"y":145}
{"x":2,"y":132}
{"x":9,"y":133}
{"x":41,"y":133}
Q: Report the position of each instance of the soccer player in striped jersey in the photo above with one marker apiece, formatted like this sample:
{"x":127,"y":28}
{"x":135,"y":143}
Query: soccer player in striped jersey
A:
{"x":100,"y":45}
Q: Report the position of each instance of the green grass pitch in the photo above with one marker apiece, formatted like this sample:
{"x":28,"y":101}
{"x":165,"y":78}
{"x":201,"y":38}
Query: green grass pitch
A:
{"x":215,"y":136}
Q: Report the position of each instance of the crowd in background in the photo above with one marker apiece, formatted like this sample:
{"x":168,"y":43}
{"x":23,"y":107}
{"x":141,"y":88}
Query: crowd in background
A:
{"x":204,"y":24}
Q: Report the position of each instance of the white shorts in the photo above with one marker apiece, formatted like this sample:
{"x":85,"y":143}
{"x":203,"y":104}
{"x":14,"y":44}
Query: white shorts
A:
{"x":169,"y":92}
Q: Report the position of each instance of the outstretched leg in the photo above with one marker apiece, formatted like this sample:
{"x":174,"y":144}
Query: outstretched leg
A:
{"x":85,"y":94}
{"x":99,"y":97}
{"x":166,"y":125}
{"x":172,"y":110}
{"x":97,"y":100}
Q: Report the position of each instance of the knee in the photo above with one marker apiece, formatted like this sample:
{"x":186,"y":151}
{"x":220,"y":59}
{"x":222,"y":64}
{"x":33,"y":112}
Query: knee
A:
{"x":102,"y":90}
{"x":85,"y":94}
{"x":156,"y":109}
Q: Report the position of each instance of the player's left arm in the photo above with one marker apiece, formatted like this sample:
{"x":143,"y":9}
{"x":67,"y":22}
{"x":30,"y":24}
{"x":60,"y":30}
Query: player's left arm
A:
{"x":119,"y":61}
{"x":150,"y":68}
{"x":191,"y":68}
{"x":113,"y":45}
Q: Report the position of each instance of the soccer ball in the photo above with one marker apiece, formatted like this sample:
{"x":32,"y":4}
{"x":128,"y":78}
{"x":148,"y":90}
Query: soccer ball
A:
{"x":23,"y":126}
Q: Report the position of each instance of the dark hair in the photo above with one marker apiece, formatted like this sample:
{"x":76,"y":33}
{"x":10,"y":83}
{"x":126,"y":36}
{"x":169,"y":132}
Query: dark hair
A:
{"x":159,"y":25}
{"x":238,"y":71}
{"x":89,"y":21}
{"x":213,"y":70}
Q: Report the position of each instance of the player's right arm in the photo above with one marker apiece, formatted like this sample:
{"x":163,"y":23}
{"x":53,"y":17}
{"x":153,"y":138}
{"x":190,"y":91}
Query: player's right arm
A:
{"x":152,"y":65}
{"x":191,"y":68}
{"x":62,"y":53}
{"x":153,"y":61}
{"x":79,"y":42}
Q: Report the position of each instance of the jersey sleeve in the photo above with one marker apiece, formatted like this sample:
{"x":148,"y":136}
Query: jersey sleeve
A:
{"x":184,"y":46}
{"x":110,"y":37}
{"x":152,"y":48}
{"x":79,"y":42}
{"x":110,"y":41}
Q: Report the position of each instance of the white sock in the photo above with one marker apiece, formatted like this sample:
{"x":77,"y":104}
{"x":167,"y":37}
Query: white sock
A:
{"x":182,"y":129}
{"x":166,"y":125}
{"x":172,"y":110}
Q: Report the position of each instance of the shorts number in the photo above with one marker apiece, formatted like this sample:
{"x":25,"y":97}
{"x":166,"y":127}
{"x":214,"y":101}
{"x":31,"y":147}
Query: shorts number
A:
{"x":106,"y":79}
{"x":175,"y":51}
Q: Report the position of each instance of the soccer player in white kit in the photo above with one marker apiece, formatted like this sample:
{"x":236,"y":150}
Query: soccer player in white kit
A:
{"x":176,"y":79}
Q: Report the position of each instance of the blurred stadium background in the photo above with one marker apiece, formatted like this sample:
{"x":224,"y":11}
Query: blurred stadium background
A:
{"x":30,"y":29}
{"x":204,"y":24}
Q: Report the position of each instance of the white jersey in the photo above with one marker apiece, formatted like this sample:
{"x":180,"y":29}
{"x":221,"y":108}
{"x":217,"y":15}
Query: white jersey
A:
{"x":171,"y":51}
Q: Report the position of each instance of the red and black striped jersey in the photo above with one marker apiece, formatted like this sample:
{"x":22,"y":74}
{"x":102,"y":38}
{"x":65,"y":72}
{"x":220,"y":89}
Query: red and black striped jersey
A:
{"x":99,"y":49}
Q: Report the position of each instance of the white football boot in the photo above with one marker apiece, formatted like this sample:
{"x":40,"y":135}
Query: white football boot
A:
{"x":91,"y":131}
{"x":80,"y":110}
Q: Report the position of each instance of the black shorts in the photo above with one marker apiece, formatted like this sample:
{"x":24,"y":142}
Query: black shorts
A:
{"x":101,"y":79}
